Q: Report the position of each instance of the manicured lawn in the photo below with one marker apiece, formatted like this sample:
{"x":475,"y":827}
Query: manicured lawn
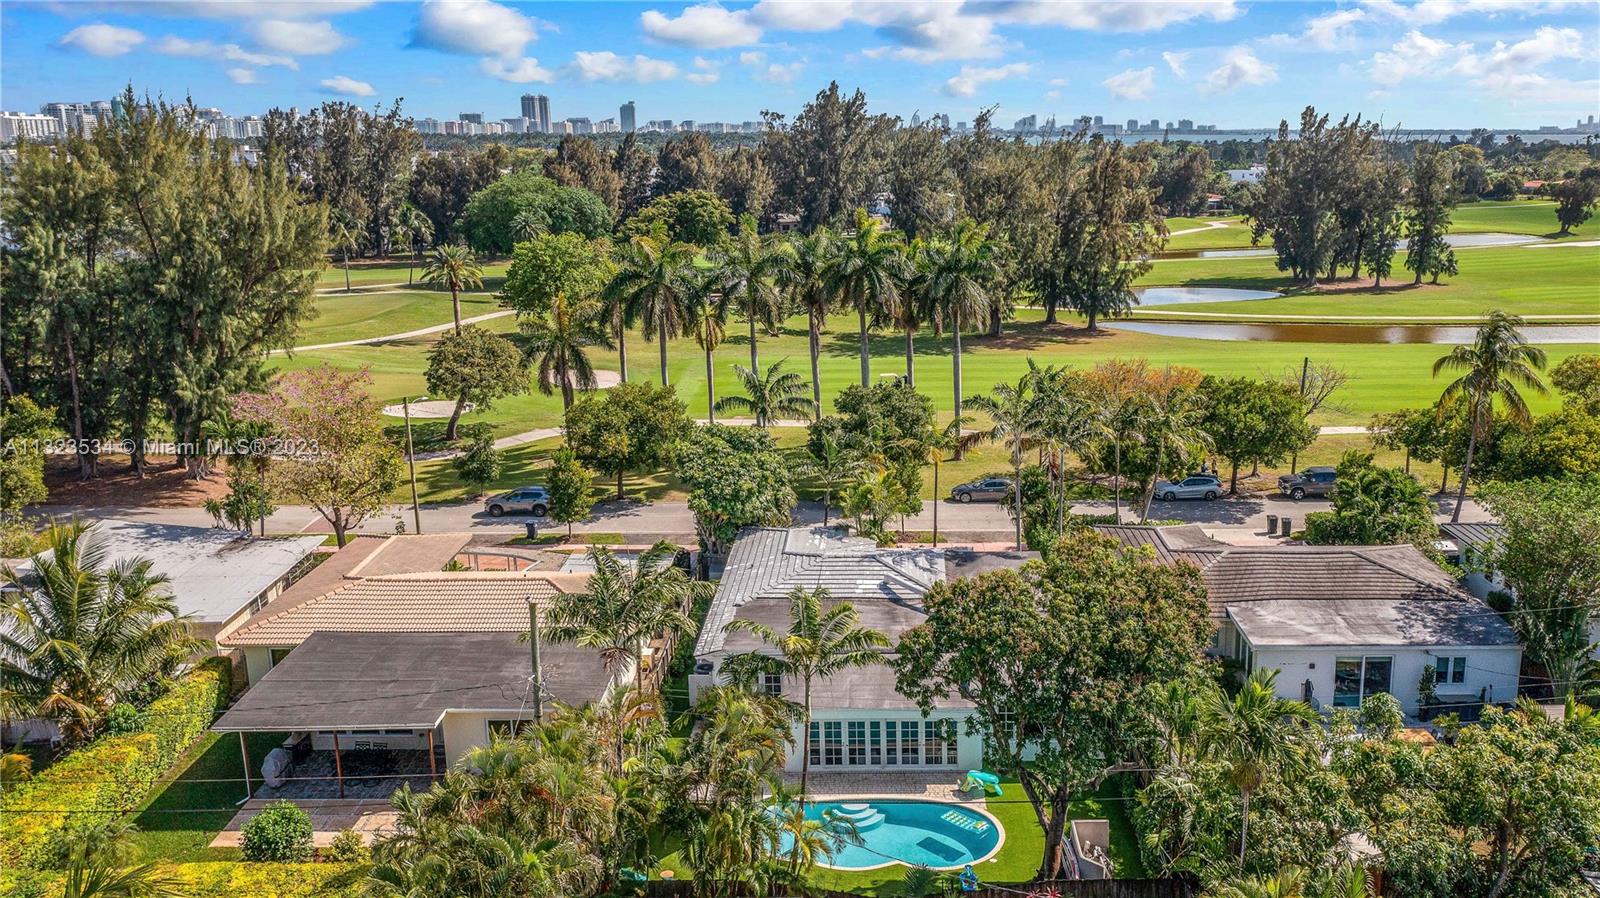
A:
{"x":1514,"y":217}
{"x":1235,"y":236}
{"x":389,"y":272}
{"x":360,"y":316}
{"x":181,"y":817}
{"x":1519,"y":279}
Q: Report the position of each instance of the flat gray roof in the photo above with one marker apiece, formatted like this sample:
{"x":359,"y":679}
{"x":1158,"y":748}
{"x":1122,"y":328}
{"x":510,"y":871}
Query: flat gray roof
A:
{"x":1370,"y":622}
{"x":337,"y":680}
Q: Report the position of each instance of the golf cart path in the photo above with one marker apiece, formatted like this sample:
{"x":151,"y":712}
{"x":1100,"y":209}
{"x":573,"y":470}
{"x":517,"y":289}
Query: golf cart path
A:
{"x":1208,"y":226}
{"x":388,"y":338}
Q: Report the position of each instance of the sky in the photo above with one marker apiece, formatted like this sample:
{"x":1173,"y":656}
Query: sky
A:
{"x":1234,"y":63}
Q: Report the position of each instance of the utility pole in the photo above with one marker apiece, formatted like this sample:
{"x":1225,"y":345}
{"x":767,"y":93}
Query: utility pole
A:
{"x":411,"y":462}
{"x":538,"y":673}
{"x":1305,"y":368}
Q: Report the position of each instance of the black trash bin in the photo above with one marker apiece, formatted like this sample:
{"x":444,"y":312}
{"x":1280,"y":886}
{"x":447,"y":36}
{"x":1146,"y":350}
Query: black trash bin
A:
{"x":1272,"y":525}
{"x":1287,"y":525}
{"x":533,"y":530}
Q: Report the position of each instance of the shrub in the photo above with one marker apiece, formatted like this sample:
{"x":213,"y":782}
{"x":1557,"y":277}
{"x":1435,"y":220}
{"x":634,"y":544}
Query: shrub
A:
{"x":110,"y":776}
{"x":346,"y":848}
{"x":281,"y":832}
{"x":234,"y":879}
{"x":1380,"y":715}
{"x":124,"y":719}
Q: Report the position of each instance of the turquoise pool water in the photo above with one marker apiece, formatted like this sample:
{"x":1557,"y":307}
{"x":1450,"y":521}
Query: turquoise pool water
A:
{"x":928,"y":833}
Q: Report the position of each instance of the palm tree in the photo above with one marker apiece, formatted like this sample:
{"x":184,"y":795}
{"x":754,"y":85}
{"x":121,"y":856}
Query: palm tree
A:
{"x":453,"y":267}
{"x":949,"y":439}
{"x":625,"y":607}
{"x":955,"y":275}
{"x":806,"y":278}
{"x":415,"y":229}
{"x":555,"y":342}
{"x":821,"y":641}
{"x":747,"y":265}
{"x":1255,"y":733}
{"x":649,"y":286}
{"x":1015,"y":420}
{"x":1498,"y":361}
{"x":912,"y":305}
{"x":811,"y":840}
{"x":1169,"y":419}
{"x":775,"y":395}
{"x":80,"y":634}
{"x":99,"y":877}
{"x":345,"y":234}
{"x":834,"y":466}
{"x":708,"y":321}
{"x":868,"y":271}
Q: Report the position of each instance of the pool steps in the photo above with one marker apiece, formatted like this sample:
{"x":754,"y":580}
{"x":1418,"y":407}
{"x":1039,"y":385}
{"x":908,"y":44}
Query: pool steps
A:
{"x":865,"y":817}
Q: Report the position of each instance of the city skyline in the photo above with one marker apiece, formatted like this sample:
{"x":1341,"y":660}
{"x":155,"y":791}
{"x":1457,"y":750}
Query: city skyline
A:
{"x":1426,"y":65}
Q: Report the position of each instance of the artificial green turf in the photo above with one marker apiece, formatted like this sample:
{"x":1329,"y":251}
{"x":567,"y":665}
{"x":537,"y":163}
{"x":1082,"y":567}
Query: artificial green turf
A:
{"x":362,"y":316}
{"x":180,"y":817}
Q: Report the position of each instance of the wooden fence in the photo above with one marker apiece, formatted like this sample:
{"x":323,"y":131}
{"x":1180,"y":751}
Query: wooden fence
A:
{"x":1067,"y":888}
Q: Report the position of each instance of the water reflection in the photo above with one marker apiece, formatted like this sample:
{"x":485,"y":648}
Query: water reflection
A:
{"x":1175,"y":296}
{"x":1353,"y":333}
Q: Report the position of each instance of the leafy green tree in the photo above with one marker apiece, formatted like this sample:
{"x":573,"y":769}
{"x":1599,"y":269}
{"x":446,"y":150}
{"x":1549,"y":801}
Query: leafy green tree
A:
{"x":81,"y":633}
{"x":1413,"y":430}
{"x":696,"y":217}
{"x":624,"y":607}
{"x":649,"y":286}
{"x":823,"y":639}
{"x":1549,"y":557}
{"x":632,"y":427}
{"x":1564,"y":443}
{"x":770,"y":396}
{"x":442,"y":183}
{"x":481,"y":464}
{"x":868,"y":271}
{"x":1431,"y":197}
{"x":1170,"y":423}
{"x":571,"y":487}
{"x":555,"y":265}
{"x":557,"y":340}
{"x":488,"y":220}
{"x":744,"y":182}
{"x":1373,"y":506}
{"x":1578,"y":377}
{"x":344,"y":466}
{"x":477,"y":366}
{"x":919,"y":179}
{"x":1182,"y":181}
{"x":687,"y":162}
{"x":1040,"y":653}
{"x":957,"y":275}
{"x":1253,"y":421}
{"x":1575,"y":198}
{"x":1109,"y":231}
{"x":829,"y":159}
{"x":580,"y":162}
{"x":1499,"y":361}
{"x":884,"y":419}
{"x":25,"y":426}
{"x":453,"y":267}
{"x":747,"y":267}
{"x":737,"y":478}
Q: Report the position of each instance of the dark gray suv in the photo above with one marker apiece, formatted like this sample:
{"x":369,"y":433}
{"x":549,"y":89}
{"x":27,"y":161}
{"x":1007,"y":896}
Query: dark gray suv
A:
{"x":1315,"y":481}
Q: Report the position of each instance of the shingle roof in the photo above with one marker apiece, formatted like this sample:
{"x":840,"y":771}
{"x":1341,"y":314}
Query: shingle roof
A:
{"x":1472,"y":535}
{"x":455,"y":602}
{"x":337,"y":680}
{"x":1399,"y":622}
{"x":1185,"y":542}
{"x":770,"y":562}
{"x":1309,"y":573}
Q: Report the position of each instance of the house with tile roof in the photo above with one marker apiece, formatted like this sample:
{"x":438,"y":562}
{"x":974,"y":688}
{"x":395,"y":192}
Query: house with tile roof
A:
{"x":860,"y":721}
{"x":1340,"y":623}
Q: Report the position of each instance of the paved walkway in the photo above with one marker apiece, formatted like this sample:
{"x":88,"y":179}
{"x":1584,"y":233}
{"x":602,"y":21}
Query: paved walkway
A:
{"x":329,"y":816}
{"x":930,"y":784}
{"x":1209,"y":226}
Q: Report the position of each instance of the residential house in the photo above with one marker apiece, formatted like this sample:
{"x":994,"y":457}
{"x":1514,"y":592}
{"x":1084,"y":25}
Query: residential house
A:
{"x":1470,"y":547}
{"x":1340,"y":623}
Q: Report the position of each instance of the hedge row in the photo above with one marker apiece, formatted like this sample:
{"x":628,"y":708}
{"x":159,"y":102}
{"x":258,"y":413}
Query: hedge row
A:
{"x":110,"y":776}
{"x":221,"y":879}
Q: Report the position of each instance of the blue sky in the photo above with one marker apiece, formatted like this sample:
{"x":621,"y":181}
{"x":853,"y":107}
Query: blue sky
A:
{"x":1414,"y":63}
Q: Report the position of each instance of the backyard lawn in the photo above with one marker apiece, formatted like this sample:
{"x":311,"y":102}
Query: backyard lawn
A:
{"x":186,"y":811}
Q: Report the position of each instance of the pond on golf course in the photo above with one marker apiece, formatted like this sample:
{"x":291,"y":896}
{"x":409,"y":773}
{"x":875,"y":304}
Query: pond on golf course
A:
{"x":1177,"y":296}
{"x":1353,"y":333}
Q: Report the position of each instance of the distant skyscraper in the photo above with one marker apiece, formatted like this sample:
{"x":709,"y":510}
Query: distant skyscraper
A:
{"x":536,"y":109}
{"x":625,"y":117}
{"x":1185,"y":124}
{"x":1133,"y":124}
{"x":475,"y":118}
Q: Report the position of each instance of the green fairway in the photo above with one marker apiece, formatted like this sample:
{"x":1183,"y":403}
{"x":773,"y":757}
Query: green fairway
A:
{"x":1235,"y":236}
{"x":359,"y":316}
{"x":389,"y":272}
{"x":1514,"y":217}
{"x":1519,"y":279}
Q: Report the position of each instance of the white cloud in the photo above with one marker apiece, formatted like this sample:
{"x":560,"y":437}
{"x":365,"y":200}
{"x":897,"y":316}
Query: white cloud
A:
{"x":101,"y":39}
{"x":802,"y":15}
{"x":706,"y":25}
{"x":752,"y":57}
{"x":346,"y":86}
{"x":782,"y":73}
{"x":299,"y":38}
{"x":1052,"y":95}
{"x":1506,"y":70}
{"x":232,"y":9}
{"x":1326,"y":32}
{"x":706,"y":71}
{"x":1239,"y":67}
{"x":1415,"y":55}
{"x":172,"y":45}
{"x":1175,"y":61}
{"x":1432,"y":12}
{"x":1115,"y":15}
{"x":1547,"y":45}
{"x":522,"y":70}
{"x":243,"y":75}
{"x":971,"y":79}
{"x":1058,"y":82}
{"x":474,"y":28}
{"x":604,"y":65}
{"x":1133,"y":84}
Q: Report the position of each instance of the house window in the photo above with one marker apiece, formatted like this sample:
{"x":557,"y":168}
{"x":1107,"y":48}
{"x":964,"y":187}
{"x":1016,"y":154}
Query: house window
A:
{"x":816,"y":743}
{"x":1450,"y":670}
{"x":772,"y":684}
{"x":832,"y":743}
{"x":909,"y":742}
{"x":875,"y":741}
{"x":507,"y":729}
{"x":891,"y":743}
{"x":939,"y":743}
{"x":857,"y":732}
{"x":1355,"y":678}
{"x":276,"y":656}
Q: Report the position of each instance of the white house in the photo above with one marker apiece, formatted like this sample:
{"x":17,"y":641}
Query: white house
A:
{"x":1471,"y":546}
{"x":859,"y":719}
{"x":1340,"y":623}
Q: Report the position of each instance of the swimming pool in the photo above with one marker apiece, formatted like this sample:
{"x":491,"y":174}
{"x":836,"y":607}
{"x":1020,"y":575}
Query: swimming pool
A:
{"x":935,"y":834}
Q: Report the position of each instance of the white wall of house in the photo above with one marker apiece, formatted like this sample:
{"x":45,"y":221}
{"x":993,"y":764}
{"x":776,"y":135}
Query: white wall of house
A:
{"x":1489,"y":671}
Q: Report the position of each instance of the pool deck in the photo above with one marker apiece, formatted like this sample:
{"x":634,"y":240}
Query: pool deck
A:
{"x":931,"y":785}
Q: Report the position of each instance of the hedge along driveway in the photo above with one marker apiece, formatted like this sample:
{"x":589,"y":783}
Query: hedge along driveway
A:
{"x":110,"y":776}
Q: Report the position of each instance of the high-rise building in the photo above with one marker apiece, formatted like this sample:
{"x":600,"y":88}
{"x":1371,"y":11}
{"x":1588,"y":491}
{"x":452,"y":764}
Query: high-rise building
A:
{"x":625,"y":117}
{"x":475,"y":118}
{"x":1153,"y":125}
{"x":1185,"y":124}
{"x":1026,"y":124}
{"x":1133,"y":124}
{"x":23,"y":124}
{"x":536,"y":109}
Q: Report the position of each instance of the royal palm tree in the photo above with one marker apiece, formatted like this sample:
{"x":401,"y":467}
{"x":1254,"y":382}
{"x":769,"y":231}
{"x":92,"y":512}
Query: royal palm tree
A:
{"x":1498,"y":362}
{"x":833,"y":465}
{"x":949,"y":439}
{"x":80,"y":633}
{"x":345,"y":234}
{"x":806,"y":280}
{"x":649,"y":286}
{"x":868,"y":271}
{"x":415,"y":229}
{"x":453,"y":267}
{"x":912,"y":305}
{"x":1016,"y":420}
{"x":556,"y":341}
{"x":823,"y":640}
{"x":1255,"y":733}
{"x":747,"y":267}
{"x":707,"y":312}
{"x":625,"y":607}
{"x":956,"y":274}
{"x":773,"y":395}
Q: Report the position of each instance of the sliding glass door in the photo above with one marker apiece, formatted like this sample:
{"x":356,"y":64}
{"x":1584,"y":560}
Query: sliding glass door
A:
{"x":1355,"y":678}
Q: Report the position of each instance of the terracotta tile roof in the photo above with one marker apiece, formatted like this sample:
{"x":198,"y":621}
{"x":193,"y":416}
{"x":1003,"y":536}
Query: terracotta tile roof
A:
{"x":434,"y":602}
